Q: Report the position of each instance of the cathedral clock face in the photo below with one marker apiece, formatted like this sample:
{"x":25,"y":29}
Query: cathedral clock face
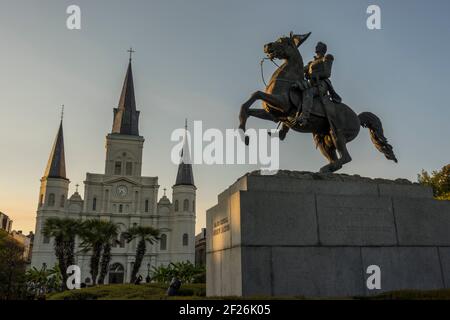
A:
{"x":122,"y":191}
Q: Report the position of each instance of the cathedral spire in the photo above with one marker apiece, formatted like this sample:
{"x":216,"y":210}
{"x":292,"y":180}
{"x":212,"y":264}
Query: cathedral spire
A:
{"x":126,"y":118}
{"x":185,"y":175}
{"x":56,"y":165}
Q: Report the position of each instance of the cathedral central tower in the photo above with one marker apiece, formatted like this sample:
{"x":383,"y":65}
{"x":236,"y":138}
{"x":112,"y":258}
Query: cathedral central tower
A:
{"x":124,"y":144}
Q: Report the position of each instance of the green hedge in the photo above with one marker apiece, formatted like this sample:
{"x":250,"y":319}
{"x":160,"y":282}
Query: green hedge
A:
{"x":153,"y":291}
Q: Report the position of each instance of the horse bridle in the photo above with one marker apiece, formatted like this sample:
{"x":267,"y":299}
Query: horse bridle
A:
{"x":262,"y":72}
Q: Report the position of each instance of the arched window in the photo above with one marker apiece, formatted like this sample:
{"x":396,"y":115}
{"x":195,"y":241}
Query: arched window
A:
{"x":193,"y":205}
{"x":115,"y":242}
{"x":186,"y":205}
{"x":51,"y":199}
{"x":176,"y":205}
{"x":116,"y":273}
{"x":122,"y":240}
{"x":94,"y":204}
{"x":41,"y":200}
{"x":129,"y":168}
{"x":118,"y":168}
{"x":146,"y":205}
{"x":185,"y":239}
{"x":120,"y":208}
{"x":62,"y":201}
{"x":163,"y":242}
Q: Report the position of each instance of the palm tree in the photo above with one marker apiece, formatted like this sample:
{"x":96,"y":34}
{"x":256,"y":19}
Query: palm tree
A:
{"x":144,"y":235}
{"x":92,"y":239}
{"x":110,"y":231}
{"x":42,"y":281}
{"x":64,"y":231}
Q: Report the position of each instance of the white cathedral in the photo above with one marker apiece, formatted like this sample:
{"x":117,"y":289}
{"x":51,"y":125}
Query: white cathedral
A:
{"x":120,"y":195}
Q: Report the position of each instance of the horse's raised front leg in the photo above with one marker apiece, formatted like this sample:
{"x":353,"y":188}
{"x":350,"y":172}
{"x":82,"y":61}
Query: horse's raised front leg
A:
{"x":261,"y":114}
{"x":276,"y":101}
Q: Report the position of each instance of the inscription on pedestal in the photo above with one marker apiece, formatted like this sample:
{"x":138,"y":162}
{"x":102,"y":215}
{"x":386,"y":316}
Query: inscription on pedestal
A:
{"x":221,"y":226}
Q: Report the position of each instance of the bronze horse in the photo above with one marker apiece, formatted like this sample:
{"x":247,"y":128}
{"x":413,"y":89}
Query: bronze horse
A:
{"x":279,"y":103}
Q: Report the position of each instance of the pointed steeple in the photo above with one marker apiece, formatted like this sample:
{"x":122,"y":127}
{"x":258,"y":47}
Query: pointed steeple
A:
{"x":56,"y":165}
{"x":185,"y":175}
{"x":126,"y":118}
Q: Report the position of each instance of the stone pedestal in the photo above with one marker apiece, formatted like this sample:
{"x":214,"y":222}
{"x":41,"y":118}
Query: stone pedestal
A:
{"x":305,"y":234}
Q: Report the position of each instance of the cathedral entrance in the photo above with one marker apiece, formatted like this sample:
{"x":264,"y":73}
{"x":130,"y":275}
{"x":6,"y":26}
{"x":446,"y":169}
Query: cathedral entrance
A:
{"x":116,"y":273}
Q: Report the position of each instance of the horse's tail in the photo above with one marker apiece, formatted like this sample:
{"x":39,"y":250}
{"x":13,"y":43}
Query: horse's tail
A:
{"x":373,"y":123}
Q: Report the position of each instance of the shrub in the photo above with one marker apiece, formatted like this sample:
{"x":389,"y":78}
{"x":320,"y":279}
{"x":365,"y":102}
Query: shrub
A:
{"x":185,"y":271}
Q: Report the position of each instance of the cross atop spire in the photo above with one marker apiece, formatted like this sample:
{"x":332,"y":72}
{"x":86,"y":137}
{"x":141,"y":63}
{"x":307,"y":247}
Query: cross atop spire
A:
{"x":131,"y":51}
{"x":62,"y":112}
{"x":164,"y":191}
{"x":76,"y":186}
{"x":185,"y":124}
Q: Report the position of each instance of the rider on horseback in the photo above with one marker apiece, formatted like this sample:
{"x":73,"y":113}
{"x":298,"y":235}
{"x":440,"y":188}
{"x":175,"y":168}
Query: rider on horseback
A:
{"x":332,"y":127}
{"x":317,"y":74}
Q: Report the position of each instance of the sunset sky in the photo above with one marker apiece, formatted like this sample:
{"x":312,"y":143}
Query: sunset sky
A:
{"x":200,"y":59}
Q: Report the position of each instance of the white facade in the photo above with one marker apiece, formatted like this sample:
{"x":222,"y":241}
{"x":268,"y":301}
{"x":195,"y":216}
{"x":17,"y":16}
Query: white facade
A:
{"x":121,"y":195}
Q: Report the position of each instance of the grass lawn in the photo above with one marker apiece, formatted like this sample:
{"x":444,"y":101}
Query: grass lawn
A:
{"x":156,"y":291}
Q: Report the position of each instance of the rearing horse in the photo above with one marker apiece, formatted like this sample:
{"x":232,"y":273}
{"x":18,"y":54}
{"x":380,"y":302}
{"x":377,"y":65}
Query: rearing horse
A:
{"x":280,"y":98}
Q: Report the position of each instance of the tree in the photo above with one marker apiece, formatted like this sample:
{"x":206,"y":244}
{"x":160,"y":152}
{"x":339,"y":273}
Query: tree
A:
{"x":42,"y":281}
{"x":143,"y":235}
{"x":12,"y":267}
{"x":92,"y":240}
{"x":110,"y":231}
{"x":438,"y":180}
{"x":64,"y":231}
{"x":97,"y":236}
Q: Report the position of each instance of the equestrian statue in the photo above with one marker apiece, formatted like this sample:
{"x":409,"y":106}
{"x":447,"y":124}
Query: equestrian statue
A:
{"x":302,"y":98}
